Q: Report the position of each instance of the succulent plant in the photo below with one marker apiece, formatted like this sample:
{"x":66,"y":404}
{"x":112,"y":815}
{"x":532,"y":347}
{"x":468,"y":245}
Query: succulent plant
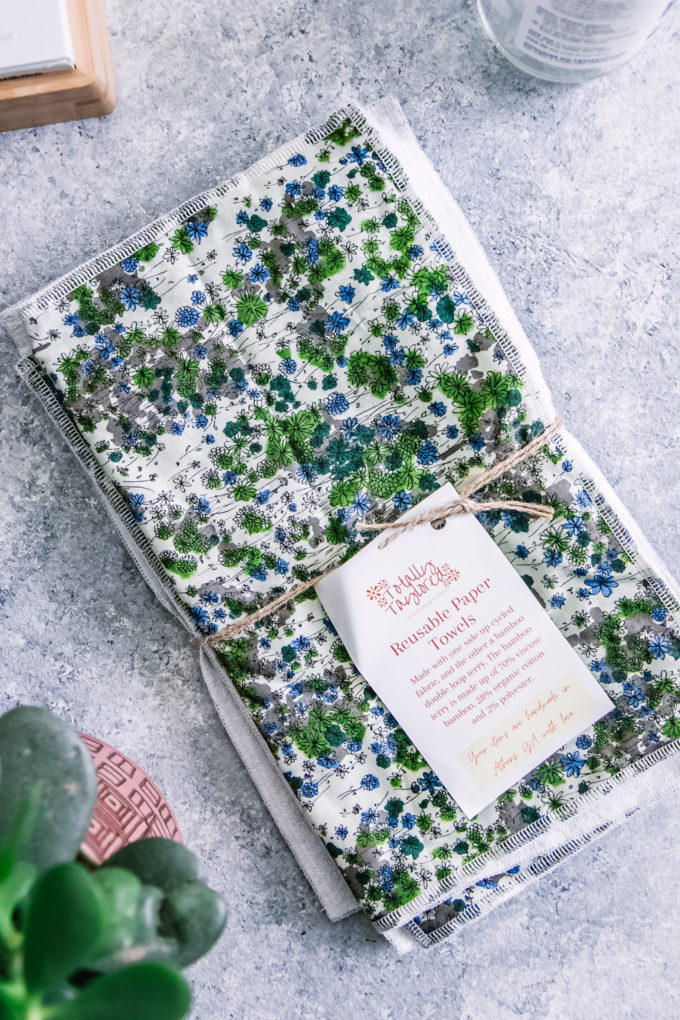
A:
{"x":77,"y":942}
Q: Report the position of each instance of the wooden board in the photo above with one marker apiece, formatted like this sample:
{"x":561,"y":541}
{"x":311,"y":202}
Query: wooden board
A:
{"x":87,"y":90}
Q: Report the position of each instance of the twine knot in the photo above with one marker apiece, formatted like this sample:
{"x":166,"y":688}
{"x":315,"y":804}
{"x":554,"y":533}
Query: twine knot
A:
{"x":463,"y":504}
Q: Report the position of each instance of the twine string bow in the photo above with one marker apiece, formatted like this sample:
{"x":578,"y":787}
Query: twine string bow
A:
{"x":463,"y":504}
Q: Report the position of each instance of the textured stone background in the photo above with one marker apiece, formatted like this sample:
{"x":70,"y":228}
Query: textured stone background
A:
{"x":573,"y":191}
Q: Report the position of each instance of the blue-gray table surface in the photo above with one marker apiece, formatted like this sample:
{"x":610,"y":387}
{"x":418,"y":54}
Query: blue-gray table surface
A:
{"x":574,"y":193}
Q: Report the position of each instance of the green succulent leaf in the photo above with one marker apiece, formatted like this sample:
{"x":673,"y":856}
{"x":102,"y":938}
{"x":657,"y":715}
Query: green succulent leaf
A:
{"x":16,"y":879}
{"x":159,"y":862}
{"x":143,"y":991}
{"x":182,"y":921}
{"x":49,"y":787}
{"x":195,"y":916}
{"x":65,"y":919}
{"x":121,"y":892}
{"x":8,"y":1009}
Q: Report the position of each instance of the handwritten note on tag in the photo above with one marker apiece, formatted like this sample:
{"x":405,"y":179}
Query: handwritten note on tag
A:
{"x":447,"y":633}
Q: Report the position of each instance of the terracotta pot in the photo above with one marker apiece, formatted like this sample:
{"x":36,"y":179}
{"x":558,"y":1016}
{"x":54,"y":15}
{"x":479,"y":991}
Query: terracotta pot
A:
{"x":129,"y":805}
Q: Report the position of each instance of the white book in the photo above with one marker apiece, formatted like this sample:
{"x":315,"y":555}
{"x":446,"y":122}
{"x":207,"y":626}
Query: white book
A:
{"x":35,"y":36}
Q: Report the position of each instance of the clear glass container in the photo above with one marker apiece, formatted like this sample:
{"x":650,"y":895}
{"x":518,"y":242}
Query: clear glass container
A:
{"x":571,"y":40}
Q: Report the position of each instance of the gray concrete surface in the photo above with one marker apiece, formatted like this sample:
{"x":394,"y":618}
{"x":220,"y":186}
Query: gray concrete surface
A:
{"x":574,"y":192}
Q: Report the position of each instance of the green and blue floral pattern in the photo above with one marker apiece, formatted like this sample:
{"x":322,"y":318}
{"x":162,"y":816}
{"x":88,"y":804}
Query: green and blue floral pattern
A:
{"x":302,"y":355}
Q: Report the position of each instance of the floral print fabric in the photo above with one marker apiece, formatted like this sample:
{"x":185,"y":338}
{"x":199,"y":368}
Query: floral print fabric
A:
{"x":299,"y":356}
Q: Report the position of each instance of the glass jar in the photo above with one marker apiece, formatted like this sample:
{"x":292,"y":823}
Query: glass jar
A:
{"x":571,"y":40}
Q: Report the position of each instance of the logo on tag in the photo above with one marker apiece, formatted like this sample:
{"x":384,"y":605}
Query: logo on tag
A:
{"x":410,"y":588}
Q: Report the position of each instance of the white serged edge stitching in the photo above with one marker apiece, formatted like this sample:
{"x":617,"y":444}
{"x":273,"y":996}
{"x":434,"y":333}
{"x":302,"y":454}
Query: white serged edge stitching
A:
{"x":552,"y":838}
{"x":542,"y":863}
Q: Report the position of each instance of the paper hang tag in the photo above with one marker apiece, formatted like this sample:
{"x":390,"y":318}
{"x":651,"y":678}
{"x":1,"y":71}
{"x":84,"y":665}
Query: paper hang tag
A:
{"x":447,"y":633}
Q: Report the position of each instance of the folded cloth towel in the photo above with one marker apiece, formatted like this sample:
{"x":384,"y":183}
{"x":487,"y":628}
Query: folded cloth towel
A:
{"x":317,"y":343}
